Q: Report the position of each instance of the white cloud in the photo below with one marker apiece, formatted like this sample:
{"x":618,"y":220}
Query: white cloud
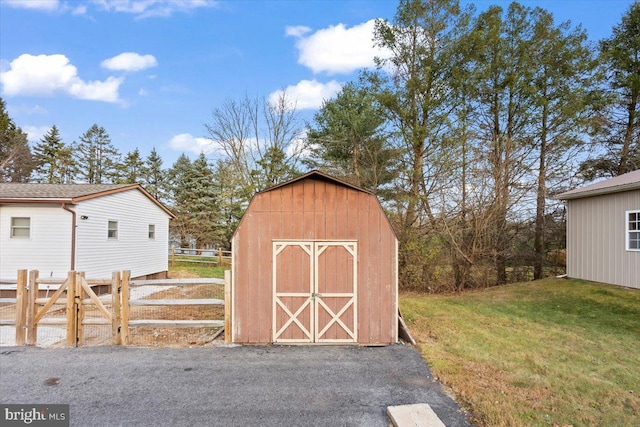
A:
{"x":151,"y":8}
{"x":46,"y":75}
{"x":129,"y":61}
{"x":338,"y":49}
{"x":35,"y":133}
{"x":308,"y":93}
{"x":187,"y":142}
{"x":45,"y":5}
{"x":79,"y":10}
{"x":296,"y":31}
{"x":143,"y":92}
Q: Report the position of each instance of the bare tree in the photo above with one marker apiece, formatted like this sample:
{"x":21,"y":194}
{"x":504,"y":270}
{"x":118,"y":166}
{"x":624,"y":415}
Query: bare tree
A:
{"x":259,"y":138}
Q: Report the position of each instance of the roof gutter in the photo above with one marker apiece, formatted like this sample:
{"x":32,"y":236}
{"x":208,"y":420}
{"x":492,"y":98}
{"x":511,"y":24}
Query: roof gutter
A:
{"x":73,"y":235}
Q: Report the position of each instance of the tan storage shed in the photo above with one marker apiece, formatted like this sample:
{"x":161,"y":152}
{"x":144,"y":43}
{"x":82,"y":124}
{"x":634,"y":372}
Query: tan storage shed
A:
{"x":603,"y":231}
{"x":315,"y":260}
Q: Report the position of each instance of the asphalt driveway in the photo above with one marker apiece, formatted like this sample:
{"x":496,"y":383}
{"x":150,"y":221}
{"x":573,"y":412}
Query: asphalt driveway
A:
{"x":224,"y":386}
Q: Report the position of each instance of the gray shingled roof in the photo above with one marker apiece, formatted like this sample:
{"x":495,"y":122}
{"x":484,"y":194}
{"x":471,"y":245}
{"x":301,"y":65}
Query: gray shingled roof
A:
{"x":54,"y":191}
{"x":626,"y":182}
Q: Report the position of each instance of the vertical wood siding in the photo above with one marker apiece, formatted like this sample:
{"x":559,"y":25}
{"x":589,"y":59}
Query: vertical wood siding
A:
{"x":99,"y":256}
{"x":314,"y":209}
{"x":596,"y":245}
{"x":48,"y":248}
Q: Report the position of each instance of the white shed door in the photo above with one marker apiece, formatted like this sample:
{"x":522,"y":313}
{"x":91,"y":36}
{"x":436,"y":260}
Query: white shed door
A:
{"x":315,"y":291}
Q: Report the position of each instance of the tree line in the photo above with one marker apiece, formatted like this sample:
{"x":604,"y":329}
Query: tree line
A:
{"x":465,"y":131}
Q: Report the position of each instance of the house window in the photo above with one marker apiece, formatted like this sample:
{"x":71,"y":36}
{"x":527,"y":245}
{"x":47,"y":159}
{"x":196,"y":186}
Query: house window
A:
{"x":20,"y":228}
{"x":152,"y":231}
{"x":112,"y":230}
{"x":633,"y":230}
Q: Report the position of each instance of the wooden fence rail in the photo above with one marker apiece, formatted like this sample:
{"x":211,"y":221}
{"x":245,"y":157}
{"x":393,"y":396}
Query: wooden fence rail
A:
{"x":76,"y":295}
{"x":127,"y":302}
{"x":218,"y":257}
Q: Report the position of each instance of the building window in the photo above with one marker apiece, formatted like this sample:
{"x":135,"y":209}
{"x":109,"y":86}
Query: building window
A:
{"x":112,"y":230}
{"x":152,"y":231}
{"x":633,"y":230}
{"x":20,"y":228}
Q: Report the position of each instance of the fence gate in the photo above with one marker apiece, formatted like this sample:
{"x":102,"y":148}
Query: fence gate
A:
{"x":315,"y":291}
{"x":90,"y":310}
{"x":82,"y":307}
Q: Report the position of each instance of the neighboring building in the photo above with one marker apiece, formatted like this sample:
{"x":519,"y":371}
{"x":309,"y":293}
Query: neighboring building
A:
{"x":603,"y":231}
{"x":315,"y":260}
{"x":94,"y":228}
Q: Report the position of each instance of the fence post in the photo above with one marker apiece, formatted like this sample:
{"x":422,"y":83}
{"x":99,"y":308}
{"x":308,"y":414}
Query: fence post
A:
{"x":79,"y":294}
{"x":124,"y":306}
{"x":227,"y":306}
{"x":219,"y":257}
{"x":115,"y":308}
{"x":21,"y":306}
{"x":71,"y":308}
{"x":32,"y":308}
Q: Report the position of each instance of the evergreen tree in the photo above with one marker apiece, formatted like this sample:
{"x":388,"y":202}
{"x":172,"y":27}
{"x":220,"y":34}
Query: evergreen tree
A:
{"x":96,"y":157}
{"x":52,"y":158}
{"x":502,"y":75}
{"x":154,"y":176}
{"x":16,"y":160}
{"x":620,"y":133}
{"x":562,"y":80}
{"x":348,"y":138}
{"x":132,"y":169}
{"x":204,"y":222}
{"x":178,"y":183}
{"x":231,"y":200}
{"x":413,"y":89}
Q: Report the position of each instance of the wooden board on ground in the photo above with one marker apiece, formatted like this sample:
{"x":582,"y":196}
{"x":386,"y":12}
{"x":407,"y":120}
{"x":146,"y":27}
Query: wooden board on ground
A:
{"x":416,"y":415}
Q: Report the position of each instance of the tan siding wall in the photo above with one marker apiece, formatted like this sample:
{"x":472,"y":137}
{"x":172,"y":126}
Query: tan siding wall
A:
{"x":314,"y":210}
{"x":596,"y":245}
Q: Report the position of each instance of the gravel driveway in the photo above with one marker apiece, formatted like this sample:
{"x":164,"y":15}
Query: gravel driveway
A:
{"x":224,"y":386}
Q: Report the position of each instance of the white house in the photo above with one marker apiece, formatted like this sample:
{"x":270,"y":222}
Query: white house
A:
{"x":95,"y":228}
{"x":603,"y":231}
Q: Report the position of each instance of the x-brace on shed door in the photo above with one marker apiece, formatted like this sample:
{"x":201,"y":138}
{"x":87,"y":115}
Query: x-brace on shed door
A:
{"x":315,"y":291}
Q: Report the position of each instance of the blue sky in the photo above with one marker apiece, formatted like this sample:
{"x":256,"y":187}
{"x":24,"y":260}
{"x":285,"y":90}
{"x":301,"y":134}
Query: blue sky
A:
{"x":151,"y":71}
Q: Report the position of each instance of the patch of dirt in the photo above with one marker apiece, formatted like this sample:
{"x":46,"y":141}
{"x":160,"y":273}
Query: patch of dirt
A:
{"x":182,"y":274}
{"x":179,"y":337}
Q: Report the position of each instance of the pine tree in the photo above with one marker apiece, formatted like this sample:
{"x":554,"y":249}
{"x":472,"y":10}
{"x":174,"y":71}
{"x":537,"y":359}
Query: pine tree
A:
{"x":96,"y":157}
{"x":132,"y":169}
{"x":154,"y":176}
{"x":563,"y":78}
{"x":178,"y":184}
{"x":348,"y":138}
{"x":204,"y":218}
{"x":231,"y":200}
{"x":16,"y":160}
{"x":620,"y":134}
{"x":51,"y":156}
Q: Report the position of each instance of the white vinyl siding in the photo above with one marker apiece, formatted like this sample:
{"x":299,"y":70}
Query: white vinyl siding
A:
{"x":20,"y":228}
{"x":633,"y":230}
{"x":597,"y":234}
{"x":99,"y":256}
{"x":48,"y":248}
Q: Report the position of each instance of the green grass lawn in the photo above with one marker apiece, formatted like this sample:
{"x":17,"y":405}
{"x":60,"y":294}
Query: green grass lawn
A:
{"x":185,"y":269}
{"x":555,"y":351}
